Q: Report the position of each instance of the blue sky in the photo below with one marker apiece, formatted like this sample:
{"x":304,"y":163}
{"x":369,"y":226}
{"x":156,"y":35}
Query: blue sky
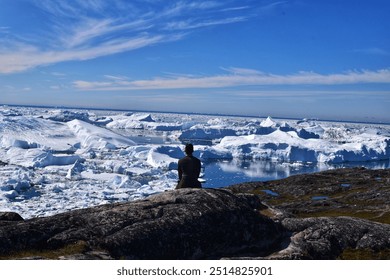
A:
{"x":299,"y":58}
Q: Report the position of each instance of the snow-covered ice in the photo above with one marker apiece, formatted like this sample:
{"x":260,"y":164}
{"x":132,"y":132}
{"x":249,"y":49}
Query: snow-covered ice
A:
{"x":53,"y":160}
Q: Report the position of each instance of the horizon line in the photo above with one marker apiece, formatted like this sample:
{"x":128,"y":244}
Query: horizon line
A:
{"x":199,"y":113}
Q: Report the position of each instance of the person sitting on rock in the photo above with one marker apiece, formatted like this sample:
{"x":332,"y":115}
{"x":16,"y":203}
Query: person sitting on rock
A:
{"x":189,"y":170}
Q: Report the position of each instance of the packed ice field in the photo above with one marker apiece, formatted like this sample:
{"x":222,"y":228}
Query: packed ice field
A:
{"x":54,"y":160}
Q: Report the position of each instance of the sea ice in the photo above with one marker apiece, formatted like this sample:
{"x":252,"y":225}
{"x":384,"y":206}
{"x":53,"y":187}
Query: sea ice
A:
{"x":53,"y":161}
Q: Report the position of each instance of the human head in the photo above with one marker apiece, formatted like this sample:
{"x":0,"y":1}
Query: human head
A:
{"x":189,"y":149}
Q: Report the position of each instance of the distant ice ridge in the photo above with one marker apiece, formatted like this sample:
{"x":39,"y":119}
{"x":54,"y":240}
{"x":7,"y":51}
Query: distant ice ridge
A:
{"x":53,"y":161}
{"x":288,"y":146}
{"x":303,"y":141}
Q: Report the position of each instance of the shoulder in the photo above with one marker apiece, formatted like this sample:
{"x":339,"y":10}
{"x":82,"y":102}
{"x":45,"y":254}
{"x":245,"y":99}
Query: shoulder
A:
{"x":196,"y":159}
{"x":186,"y":158}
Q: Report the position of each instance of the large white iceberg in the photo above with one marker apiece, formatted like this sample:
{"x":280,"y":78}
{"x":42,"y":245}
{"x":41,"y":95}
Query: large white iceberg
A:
{"x":288,"y":146}
{"x":91,"y":136}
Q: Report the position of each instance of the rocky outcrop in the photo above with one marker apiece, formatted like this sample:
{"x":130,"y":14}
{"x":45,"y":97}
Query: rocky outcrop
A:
{"x":259,"y":220}
{"x":180,"y":224}
{"x":329,"y":238}
{"x":355,"y":192}
{"x":9,"y":217}
{"x":341,"y":213}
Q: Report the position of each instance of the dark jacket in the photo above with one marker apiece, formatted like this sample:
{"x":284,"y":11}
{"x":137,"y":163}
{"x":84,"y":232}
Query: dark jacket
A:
{"x":189,"y":170}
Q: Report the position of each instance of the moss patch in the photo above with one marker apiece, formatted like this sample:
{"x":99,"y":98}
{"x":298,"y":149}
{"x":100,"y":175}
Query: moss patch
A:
{"x":365,"y":254}
{"x":268,"y":213}
{"x":71,"y":249}
{"x":368,"y":215}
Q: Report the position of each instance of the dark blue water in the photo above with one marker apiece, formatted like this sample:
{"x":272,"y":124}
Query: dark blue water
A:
{"x":224,"y":173}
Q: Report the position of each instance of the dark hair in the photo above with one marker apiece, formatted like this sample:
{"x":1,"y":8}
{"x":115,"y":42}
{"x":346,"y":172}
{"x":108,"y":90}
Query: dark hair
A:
{"x":189,"y":149}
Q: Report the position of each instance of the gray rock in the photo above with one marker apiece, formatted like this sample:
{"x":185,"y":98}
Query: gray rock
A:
{"x":327,"y":238}
{"x":180,"y":224}
{"x":10,"y":216}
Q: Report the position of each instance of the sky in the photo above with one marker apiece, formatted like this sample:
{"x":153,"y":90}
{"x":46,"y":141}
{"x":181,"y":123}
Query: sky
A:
{"x":298,"y":58}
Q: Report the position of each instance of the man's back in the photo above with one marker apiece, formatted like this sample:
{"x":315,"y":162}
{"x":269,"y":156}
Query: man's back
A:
{"x":189,"y":170}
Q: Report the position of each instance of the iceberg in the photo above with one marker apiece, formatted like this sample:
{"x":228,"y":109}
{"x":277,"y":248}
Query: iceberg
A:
{"x":291,"y":146}
{"x":91,"y":136}
{"x":165,"y":157}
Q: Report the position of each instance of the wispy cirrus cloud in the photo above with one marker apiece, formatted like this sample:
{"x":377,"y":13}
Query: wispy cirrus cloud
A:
{"x":191,"y":24}
{"x":373,"y":51}
{"x":95,"y":30}
{"x":25,"y":57}
{"x":75,"y":8}
{"x":236,"y":8}
{"x":4,"y":29}
{"x":235,"y":77}
{"x":273,"y":5}
{"x":86,"y":29}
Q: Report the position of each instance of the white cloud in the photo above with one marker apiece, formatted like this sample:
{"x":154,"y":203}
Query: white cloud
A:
{"x":27,"y":57}
{"x":373,"y":51}
{"x":92,"y":29}
{"x":116,"y":78}
{"x":87,"y":29}
{"x":58,"y":74}
{"x":178,"y":8}
{"x":240,"y":77}
{"x":189,"y":24}
{"x":73,"y":8}
{"x":275,"y":4}
{"x":4,"y":29}
{"x":235,"y":8}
